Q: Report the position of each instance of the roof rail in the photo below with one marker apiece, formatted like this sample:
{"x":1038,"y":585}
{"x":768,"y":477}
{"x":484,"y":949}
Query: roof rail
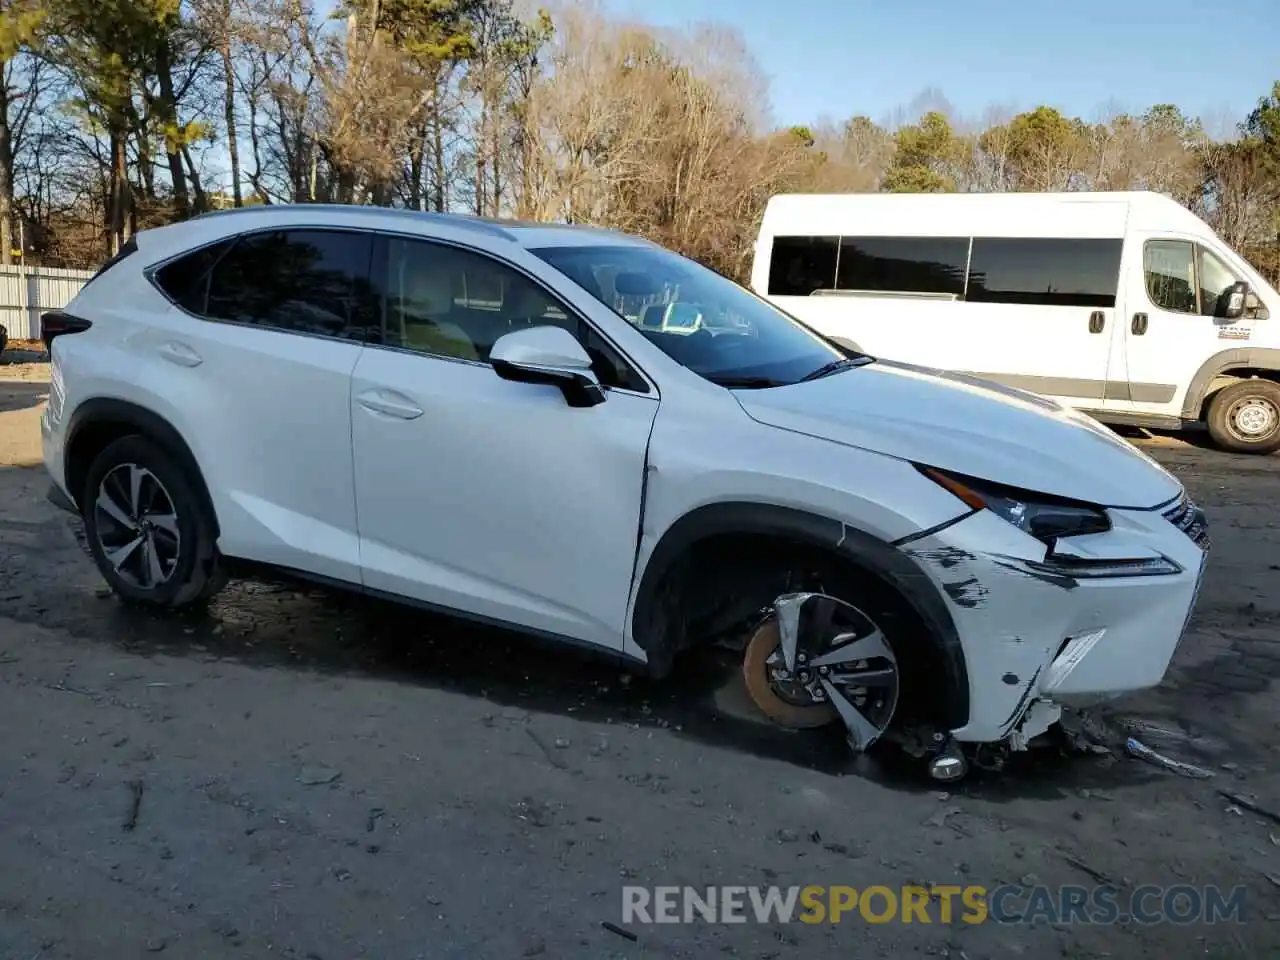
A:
{"x":452,"y":219}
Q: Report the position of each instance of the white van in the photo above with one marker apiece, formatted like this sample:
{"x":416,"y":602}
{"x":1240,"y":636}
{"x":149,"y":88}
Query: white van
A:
{"x":1124,"y":305}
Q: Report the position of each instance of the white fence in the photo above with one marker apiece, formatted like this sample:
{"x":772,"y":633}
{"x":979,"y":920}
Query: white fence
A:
{"x":27,"y":292}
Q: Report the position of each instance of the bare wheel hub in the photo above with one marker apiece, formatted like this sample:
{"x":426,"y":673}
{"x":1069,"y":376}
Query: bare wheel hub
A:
{"x":819,"y":659}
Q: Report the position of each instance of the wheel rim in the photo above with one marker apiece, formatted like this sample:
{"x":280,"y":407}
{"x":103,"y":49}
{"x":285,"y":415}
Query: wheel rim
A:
{"x":137,"y":526}
{"x":1252,"y":419}
{"x":831,"y":654}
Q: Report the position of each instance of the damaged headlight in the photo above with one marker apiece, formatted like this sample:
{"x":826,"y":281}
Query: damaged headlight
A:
{"x":1043,"y":516}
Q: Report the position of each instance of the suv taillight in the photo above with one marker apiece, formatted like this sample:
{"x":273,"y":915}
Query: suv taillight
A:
{"x":56,"y":322}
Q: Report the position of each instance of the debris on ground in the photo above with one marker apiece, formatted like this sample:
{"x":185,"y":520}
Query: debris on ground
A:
{"x":316,"y":776}
{"x":1093,"y":872}
{"x":614,"y":928}
{"x":939,"y":819}
{"x":1136,"y":748}
{"x":135,"y":805}
{"x":1251,"y":805}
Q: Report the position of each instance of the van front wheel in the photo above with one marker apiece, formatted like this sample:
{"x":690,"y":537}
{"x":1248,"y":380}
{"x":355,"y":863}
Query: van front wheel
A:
{"x":1245,"y":417}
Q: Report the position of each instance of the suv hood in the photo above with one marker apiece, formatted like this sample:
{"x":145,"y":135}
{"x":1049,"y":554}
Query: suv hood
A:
{"x":969,"y":426}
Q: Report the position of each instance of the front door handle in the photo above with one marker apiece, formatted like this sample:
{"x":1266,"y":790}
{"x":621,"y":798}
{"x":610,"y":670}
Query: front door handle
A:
{"x":180,"y":354}
{"x":1139,"y":324}
{"x":1097,"y":320}
{"x":390,"y":403}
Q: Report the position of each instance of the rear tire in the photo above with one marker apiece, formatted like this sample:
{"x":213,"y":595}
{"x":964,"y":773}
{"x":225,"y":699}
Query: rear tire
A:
{"x":1245,"y":417}
{"x":148,"y":530}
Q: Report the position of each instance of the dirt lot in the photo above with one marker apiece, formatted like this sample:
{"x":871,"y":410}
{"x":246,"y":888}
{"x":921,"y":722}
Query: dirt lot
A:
{"x":305,"y":775}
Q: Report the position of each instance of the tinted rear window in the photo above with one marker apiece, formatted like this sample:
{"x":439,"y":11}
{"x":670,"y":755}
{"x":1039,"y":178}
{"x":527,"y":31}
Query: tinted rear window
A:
{"x":303,"y":281}
{"x":185,"y":280}
{"x":1047,"y":272}
{"x":933,"y":265}
{"x":800,"y":265}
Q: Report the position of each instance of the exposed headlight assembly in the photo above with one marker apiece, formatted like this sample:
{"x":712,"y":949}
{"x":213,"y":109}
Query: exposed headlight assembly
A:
{"x":1050,"y":519}
{"x":1043,"y":516}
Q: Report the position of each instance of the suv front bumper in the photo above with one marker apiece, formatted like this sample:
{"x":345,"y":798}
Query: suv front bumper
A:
{"x":1030,"y":635}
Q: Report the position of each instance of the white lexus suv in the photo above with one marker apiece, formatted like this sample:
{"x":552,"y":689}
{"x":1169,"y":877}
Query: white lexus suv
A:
{"x":577,"y":433}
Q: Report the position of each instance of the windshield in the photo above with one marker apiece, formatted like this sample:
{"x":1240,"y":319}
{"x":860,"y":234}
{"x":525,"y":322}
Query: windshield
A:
{"x":700,"y":319}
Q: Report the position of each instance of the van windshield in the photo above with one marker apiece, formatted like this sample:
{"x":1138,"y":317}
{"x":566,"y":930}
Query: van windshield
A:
{"x":703,"y":321}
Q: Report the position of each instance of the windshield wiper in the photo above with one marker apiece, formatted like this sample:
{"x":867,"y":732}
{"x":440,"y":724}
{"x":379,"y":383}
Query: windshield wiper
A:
{"x":748,"y":383}
{"x":835,"y":366}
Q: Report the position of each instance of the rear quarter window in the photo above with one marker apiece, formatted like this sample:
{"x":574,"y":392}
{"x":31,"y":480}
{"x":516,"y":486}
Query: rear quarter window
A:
{"x":185,"y":280}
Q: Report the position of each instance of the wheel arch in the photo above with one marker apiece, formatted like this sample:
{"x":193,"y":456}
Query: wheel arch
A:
{"x":100,"y":421}
{"x":652,"y":620}
{"x":1243,"y":361}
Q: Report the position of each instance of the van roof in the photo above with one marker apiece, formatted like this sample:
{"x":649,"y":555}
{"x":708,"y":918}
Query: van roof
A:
{"x":1072,"y":214}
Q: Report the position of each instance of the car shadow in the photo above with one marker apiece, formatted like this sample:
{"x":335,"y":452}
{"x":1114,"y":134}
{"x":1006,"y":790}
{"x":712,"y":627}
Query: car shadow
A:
{"x":50,"y":580}
{"x":21,"y":394}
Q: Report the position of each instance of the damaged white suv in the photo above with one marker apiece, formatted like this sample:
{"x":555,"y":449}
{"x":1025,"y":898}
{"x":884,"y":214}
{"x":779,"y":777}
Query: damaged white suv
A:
{"x":580,"y":434}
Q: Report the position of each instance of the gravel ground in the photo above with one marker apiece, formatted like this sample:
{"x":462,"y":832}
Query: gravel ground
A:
{"x":307,"y":775}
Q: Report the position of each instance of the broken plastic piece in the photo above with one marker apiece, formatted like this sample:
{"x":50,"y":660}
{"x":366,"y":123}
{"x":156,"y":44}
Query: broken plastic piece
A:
{"x":1136,"y":748}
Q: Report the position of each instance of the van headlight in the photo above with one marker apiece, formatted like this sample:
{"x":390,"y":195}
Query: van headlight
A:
{"x":1043,"y":516}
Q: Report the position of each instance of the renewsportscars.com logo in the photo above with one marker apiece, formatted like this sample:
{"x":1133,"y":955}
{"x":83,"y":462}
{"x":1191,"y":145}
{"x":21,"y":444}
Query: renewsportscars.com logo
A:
{"x":1006,"y":904}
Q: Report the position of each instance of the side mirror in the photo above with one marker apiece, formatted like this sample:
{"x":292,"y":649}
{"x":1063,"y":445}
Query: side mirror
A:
{"x":548,"y":355}
{"x":1234,"y":300}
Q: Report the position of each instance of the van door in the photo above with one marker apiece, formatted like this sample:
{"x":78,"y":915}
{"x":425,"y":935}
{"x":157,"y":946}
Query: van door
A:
{"x":1174,"y":292}
{"x":1040,"y":314}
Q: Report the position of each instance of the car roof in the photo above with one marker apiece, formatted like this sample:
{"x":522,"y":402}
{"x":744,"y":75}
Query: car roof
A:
{"x":525,"y":233}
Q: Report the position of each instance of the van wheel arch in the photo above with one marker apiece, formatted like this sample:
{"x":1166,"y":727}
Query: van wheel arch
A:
{"x":101,"y":421}
{"x":1223,"y":367}
{"x":741,"y":547}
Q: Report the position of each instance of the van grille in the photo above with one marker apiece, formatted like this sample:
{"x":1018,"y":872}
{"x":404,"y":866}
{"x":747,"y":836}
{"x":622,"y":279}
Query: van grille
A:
{"x":1190,"y":519}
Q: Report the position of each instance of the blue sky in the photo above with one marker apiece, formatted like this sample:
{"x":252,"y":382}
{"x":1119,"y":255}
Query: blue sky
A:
{"x":838,"y":58}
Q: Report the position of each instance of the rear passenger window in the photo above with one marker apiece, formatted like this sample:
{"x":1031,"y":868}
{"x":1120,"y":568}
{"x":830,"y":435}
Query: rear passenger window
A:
{"x":1046,"y":272}
{"x":928,"y":265}
{"x":800,"y":265}
{"x":301,"y":281}
{"x":185,"y":280}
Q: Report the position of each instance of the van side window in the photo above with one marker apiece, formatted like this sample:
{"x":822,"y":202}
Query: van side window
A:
{"x":930,"y":265}
{"x":1045,"y":272}
{"x":800,"y":265}
{"x":1169,"y":267}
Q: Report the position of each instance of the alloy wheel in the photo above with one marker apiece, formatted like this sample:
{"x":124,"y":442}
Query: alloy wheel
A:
{"x":826,"y":659}
{"x":137,"y":526}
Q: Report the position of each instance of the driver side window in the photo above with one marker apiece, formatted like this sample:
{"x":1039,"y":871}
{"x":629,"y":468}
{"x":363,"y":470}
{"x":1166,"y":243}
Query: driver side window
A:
{"x":452,"y":302}
{"x":1170,"y":269}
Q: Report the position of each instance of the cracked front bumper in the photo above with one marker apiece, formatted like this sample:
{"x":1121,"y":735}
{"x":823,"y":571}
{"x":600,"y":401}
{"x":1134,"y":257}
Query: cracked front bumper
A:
{"x":1029,"y":634}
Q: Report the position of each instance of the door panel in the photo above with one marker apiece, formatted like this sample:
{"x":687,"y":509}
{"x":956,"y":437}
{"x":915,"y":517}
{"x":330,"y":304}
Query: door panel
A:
{"x":500,"y":499}
{"x":262,"y":342}
{"x":1041,"y":314}
{"x":1172,"y":286}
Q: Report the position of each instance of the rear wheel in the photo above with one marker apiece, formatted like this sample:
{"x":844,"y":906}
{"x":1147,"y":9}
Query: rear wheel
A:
{"x":817,"y":660}
{"x":149,"y":532}
{"x":1245,"y":417}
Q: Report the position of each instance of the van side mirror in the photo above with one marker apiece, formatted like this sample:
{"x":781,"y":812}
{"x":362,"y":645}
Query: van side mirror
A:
{"x":1233,"y":301}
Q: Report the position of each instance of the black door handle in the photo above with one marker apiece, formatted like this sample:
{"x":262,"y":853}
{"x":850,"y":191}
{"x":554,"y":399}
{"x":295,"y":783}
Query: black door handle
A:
{"x":1139,"y":324}
{"x":1097,"y":320}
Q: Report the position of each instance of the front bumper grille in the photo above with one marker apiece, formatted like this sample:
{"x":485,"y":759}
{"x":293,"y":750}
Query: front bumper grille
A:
{"x":1190,"y":519}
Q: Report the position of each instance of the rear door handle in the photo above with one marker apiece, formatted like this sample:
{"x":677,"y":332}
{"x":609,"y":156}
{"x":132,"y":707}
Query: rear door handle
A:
{"x":1139,"y":324}
{"x":180,"y":354}
{"x":390,"y":403}
{"x":1097,"y":320}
